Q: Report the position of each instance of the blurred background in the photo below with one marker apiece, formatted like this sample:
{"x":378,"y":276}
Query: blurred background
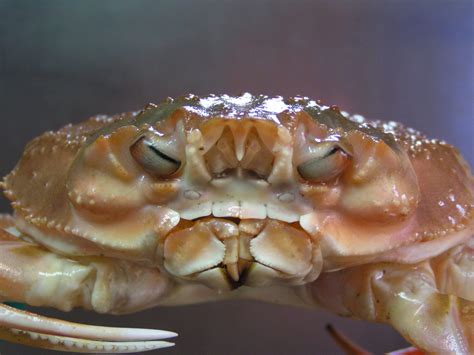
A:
{"x":409,"y":61}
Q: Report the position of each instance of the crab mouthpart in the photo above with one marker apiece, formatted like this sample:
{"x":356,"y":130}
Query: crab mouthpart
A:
{"x":239,"y":169}
{"x":225,"y":254}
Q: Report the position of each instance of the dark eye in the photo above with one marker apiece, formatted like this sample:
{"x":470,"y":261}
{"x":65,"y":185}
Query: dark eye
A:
{"x":327,"y":161}
{"x":154,"y":156}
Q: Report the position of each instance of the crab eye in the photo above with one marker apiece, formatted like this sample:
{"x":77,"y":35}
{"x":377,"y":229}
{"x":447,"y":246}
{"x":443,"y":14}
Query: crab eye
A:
{"x":153,"y":156}
{"x":324,"y":163}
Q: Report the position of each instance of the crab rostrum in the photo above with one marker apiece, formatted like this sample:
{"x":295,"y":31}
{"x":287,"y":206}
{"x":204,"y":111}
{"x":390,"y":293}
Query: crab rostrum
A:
{"x":218,"y":197}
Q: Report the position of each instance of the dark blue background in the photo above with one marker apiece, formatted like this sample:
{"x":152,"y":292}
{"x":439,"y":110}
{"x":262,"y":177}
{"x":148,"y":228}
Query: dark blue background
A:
{"x":410,"y":61}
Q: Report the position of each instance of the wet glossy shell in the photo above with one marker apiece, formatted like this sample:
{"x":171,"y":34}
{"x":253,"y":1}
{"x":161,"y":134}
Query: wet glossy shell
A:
{"x":37,"y":185}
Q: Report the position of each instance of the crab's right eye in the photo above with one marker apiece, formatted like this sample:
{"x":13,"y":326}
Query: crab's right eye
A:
{"x":326,"y":162}
{"x":154,"y":156}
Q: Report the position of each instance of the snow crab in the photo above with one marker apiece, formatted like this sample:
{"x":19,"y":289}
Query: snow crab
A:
{"x":208,"y":198}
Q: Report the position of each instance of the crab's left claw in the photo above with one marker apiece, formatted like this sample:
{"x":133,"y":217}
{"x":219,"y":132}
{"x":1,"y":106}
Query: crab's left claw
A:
{"x":33,"y":275}
{"x":49,"y":333}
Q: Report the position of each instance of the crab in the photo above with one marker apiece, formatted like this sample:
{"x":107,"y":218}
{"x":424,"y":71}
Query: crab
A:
{"x":221,"y":197}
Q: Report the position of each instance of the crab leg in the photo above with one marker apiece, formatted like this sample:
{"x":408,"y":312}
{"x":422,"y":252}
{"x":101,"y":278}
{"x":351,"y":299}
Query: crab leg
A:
{"x":32,"y":275}
{"x":409,"y":297}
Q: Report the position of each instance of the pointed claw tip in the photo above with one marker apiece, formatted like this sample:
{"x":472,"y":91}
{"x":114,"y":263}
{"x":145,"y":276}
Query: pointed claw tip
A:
{"x":164,"y":334}
{"x":163,"y":345}
{"x":173,"y":334}
{"x":155,"y":334}
{"x":170,"y":345}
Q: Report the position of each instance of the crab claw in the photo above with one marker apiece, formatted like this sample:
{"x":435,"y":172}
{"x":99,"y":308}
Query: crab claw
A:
{"x":32,"y":275}
{"x":49,"y":333}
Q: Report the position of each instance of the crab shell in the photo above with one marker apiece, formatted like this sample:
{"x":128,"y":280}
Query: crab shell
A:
{"x":238,"y":215}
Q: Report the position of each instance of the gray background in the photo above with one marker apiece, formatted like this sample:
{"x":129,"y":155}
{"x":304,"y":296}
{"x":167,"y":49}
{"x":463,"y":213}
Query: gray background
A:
{"x":410,"y":61}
